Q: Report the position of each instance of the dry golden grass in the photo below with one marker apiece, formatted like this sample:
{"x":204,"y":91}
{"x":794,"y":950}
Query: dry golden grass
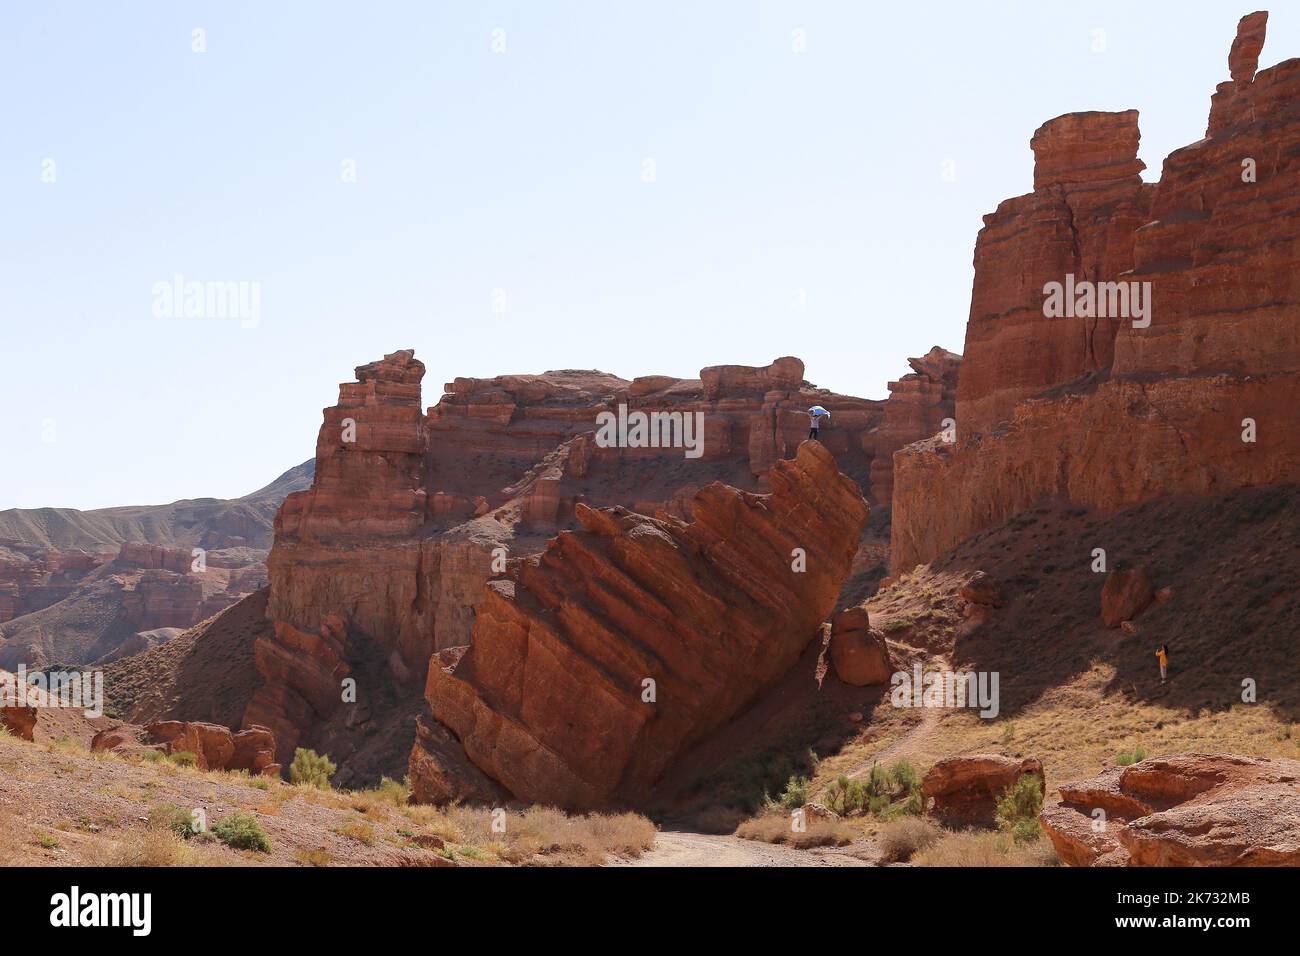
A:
{"x":775,"y":827}
{"x":1077,"y":730}
{"x":972,"y":848}
{"x":151,"y":846}
{"x":356,"y":830}
{"x":902,"y":838}
{"x":539,"y":835}
{"x":318,"y":857}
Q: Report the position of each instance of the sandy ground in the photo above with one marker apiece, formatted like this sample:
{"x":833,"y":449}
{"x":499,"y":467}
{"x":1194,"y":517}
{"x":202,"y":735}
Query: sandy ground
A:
{"x":679,"y":848}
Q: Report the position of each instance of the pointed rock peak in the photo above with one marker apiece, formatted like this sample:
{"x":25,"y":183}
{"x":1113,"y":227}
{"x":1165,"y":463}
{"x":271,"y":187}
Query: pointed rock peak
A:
{"x":1243,"y":58}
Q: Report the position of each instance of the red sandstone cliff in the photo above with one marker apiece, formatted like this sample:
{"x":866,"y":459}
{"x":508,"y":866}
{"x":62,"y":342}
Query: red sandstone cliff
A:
{"x":385,"y":559}
{"x":1106,"y":413}
{"x":550,"y":698}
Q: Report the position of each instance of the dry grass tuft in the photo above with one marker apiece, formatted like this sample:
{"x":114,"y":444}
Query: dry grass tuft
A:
{"x":902,"y":838}
{"x":775,"y":828}
{"x":971,"y":848}
{"x":153,"y":847}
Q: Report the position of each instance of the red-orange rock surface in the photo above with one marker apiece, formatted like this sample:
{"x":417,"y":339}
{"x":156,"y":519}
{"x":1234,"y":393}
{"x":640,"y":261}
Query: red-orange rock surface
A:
{"x":1152,"y":411}
{"x":859,"y":654}
{"x":549,"y":700}
{"x":1125,"y":595}
{"x":215,"y":747}
{"x":1184,"y":810}
{"x":1088,"y":201}
{"x":384,"y":560}
{"x":966,"y":789}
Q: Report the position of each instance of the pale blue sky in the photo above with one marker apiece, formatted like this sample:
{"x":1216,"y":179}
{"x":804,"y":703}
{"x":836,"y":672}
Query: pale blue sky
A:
{"x":522,"y":171}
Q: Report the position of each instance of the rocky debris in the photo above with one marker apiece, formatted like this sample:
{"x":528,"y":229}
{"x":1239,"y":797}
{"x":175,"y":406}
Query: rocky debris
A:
{"x":1125,"y":595}
{"x":859,"y":654}
{"x":1183,"y":810}
{"x":1099,"y":412}
{"x":966,"y":788}
{"x":593,"y":666}
{"x":982,"y":589}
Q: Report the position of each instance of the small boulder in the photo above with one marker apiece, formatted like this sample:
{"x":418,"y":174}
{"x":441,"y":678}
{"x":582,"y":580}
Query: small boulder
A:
{"x":212,"y":744}
{"x":1125,"y":595}
{"x":859,"y":654}
{"x":817,"y":813}
{"x":982,"y":589}
{"x":254,"y":751}
{"x":966,"y":789}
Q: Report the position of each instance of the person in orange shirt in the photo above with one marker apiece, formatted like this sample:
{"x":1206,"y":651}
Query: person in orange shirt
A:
{"x":1162,"y":655}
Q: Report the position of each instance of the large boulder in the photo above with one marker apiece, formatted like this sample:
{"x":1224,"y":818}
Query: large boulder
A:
{"x":966,"y":789}
{"x":211,"y":744}
{"x":858,"y":653}
{"x":1184,"y":810}
{"x":1125,"y":595}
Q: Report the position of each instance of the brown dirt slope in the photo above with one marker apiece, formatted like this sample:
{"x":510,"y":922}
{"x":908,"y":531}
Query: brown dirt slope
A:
{"x":205,"y":673}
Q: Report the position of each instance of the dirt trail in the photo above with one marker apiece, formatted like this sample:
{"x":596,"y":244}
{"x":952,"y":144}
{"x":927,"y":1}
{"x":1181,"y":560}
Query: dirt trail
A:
{"x":910,"y":743}
{"x":679,"y":848}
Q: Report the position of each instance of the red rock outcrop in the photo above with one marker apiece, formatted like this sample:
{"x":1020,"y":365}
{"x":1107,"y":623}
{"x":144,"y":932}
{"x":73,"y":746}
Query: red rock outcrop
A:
{"x":966,"y":789}
{"x":597,"y":663}
{"x":213,"y":745}
{"x":1080,"y":220}
{"x":1184,"y":810}
{"x":858,"y":653}
{"x":386,"y":557}
{"x":1125,"y":595}
{"x":1202,"y":399}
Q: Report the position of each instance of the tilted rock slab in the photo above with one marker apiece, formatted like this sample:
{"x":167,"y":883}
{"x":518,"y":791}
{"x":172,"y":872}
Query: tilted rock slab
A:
{"x":549,"y":701}
{"x":1184,"y":810}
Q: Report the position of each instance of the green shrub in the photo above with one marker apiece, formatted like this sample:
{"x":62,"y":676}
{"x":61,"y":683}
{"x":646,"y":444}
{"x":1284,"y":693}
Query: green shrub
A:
{"x":241,"y":831}
{"x":1026,"y":831}
{"x":795,"y":794}
{"x":904,"y":775}
{"x":185,"y":758}
{"x":914,"y":805}
{"x":879,"y":805}
{"x":311,"y":768}
{"x":1137,"y":755}
{"x":846,"y":796}
{"x":1020,"y":802}
{"x":399,"y":792}
{"x":168,"y":816}
{"x":878,"y":783}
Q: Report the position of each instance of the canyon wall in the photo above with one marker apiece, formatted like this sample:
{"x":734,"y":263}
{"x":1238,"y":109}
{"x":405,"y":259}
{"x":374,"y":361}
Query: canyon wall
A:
{"x":1105,"y":412}
{"x":386,"y":558}
{"x":593,"y":666}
